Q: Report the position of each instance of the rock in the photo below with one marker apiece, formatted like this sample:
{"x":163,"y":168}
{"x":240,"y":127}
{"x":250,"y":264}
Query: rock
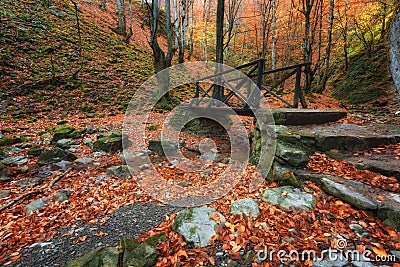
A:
{"x":282,"y":175}
{"x":29,"y":182}
{"x":99,"y":154}
{"x":362,"y":264}
{"x":62,"y":195}
{"x":76,"y":134}
{"x":100,"y":257}
{"x":359,"y":230}
{"x":62,"y":132}
{"x":293,"y":156}
{"x":144,"y":255}
{"x":335,"y":259}
{"x":64,"y":143}
{"x":91,"y":130}
{"x":62,"y":165}
{"x":55,"y":155}
{"x":88,"y":141}
{"x":122,"y":171}
{"x":5,"y":193}
{"x":288,"y":196}
{"x":35,"y":151}
{"x":162,"y":147}
{"x":396,"y":253}
{"x":100,"y":177}
{"x":4,"y":179}
{"x":246,"y":206}
{"x":35,"y":204}
{"x":4,"y":152}
{"x":111,"y":142}
{"x":83,"y":163}
{"x":196,"y":226}
{"x":17,"y":160}
{"x":350,"y":196}
{"x":7,"y":141}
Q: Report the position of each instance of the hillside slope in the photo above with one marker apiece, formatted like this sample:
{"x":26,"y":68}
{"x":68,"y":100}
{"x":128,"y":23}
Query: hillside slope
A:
{"x":40,"y":51}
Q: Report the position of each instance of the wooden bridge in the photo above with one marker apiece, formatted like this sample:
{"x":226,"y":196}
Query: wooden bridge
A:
{"x":244,"y":103}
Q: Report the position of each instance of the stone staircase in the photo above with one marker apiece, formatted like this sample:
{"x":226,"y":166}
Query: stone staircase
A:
{"x":300,"y":133}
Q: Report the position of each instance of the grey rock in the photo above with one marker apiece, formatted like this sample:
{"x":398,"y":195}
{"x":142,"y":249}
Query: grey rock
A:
{"x":5,"y":193}
{"x":101,"y":177}
{"x":247,"y":206}
{"x":196,"y":226}
{"x":292,"y":155}
{"x":91,"y":130}
{"x":162,"y":147}
{"x":396,"y":253}
{"x":88,"y":141}
{"x":64,"y":143}
{"x":98,"y":154}
{"x":350,"y":196}
{"x":17,"y":160}
{"x":4,"y":178}
{"x":62,"y":132}
{"x":362,"y":264}
{"x":35,"y":151}
{"x":83,"y":163}
{"x":62,"y":195}
{"x":62,"y":165}
{"x":122,"y":171}
{"x":288,"y":196}
{"x":29,"y":182}
{"x":35,"y":205}
{"x":359,"y":230}
{"x":55,"y":155}
{"x":336,"y":259}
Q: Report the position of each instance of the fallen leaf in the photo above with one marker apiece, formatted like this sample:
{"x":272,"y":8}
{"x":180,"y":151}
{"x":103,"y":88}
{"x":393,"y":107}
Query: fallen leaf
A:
{"x":82,"y":238}
{"x":380,"y":198}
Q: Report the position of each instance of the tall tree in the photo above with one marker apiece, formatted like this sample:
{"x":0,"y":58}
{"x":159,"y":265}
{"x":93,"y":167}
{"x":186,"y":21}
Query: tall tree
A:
{"x":121,"y":17}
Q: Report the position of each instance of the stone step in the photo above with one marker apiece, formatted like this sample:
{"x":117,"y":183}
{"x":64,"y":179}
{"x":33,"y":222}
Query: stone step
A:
{"x":292,"y":116}
{"x":385,"y":164}
{"x":359,"y":195}
{"x":339,"y":136}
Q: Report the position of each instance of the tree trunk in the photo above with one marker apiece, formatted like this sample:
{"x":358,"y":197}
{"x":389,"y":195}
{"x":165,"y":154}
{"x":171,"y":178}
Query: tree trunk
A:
{"x":121,"y":17}
{"x":327,"y":70}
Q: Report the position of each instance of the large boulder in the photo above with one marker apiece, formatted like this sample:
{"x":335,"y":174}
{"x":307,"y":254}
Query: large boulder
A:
{"x":197,"y":226}
{"x":55,"y":155}
{"x":110,"y":142}
{"x":246,"y":206}
{"x":289,"y":196}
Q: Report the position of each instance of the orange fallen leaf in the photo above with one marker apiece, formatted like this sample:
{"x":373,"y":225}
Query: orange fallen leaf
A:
{"x":226,"y":246}
{"x":379,"y":250}
{"x":284,"y":193}
{"x":211,"y":260}
{"x":216,"y":218}
{"x":235,"y":249}
{"x":380,"y":198}
{"x":181,"y":253}
{"x":82,"y":238}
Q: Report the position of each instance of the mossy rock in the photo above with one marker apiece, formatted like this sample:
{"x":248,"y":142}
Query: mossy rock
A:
{"x":55,"y":155}
{"x":77,"y":134}
{"x":35,"y":151}
{"x":62,"y":132}
{"x":7,"y":141}
{"x":110,"y":142}
{"x":100,"y":257}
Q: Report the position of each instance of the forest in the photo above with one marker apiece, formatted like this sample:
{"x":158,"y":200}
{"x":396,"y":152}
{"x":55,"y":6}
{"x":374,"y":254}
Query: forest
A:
{"x":200,"y":133}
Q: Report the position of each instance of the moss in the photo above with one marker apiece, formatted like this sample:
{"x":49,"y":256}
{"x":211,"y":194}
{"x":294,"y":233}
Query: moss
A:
{"x":182,"y":216}
{"x":64,"y":129}
{"x":7,"y":141}
{"x":152,"y":127}
{"x":153,"y":241}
